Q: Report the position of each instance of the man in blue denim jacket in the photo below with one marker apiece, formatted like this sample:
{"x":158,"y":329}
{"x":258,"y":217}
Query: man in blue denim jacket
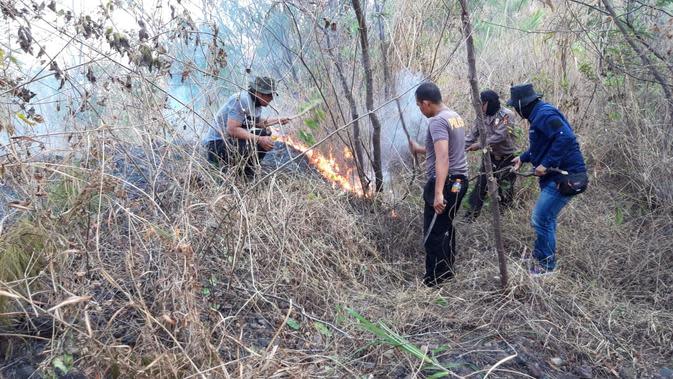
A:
{"x":552,"y":144}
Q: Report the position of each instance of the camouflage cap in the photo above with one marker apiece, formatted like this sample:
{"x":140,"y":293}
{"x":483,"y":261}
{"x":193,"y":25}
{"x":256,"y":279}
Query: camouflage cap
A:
{"x":263,"y":85}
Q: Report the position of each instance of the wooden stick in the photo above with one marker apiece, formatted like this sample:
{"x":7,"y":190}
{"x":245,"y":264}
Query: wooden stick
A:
{"x":492,"y":184}
{"x":315,"y":104}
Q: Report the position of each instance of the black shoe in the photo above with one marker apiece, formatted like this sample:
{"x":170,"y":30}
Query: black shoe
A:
{"x":434,"y":282}
{"x":429,"y":282}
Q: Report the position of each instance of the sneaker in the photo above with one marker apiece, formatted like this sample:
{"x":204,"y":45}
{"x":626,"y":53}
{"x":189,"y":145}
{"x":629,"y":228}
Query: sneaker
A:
{"x":538,"y":272}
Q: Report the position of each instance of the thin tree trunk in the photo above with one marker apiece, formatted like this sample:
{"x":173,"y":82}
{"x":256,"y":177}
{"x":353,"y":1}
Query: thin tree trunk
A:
{"x":643,"y":57}
{"x":384,"y":49}
{"x":359,"y":157}
{"x":492,"y":185}
{"x":369,"y":84}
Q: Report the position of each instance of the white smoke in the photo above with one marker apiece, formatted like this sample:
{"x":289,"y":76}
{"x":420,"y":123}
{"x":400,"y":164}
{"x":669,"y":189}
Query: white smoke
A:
{"x":394,"y":144}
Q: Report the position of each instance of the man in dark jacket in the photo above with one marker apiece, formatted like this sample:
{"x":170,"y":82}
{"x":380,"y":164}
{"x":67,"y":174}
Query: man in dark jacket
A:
{"x":552,"y":145}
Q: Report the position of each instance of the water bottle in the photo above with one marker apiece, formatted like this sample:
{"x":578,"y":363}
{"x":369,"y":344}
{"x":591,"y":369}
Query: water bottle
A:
{"x":456,"y":186}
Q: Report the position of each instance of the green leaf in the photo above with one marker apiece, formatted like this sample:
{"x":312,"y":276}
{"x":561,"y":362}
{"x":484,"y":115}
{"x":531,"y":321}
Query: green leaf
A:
{"x":25,"y":119}
{"x":442,"y":302}
{"x":437,"y":375}
{"x":308,"y":105}
{"x":353,"y":26}
{"x":392,"y":338}
{"x":619,"y":216}
{"x":440,"y":349}
{"x":293,"y":324}
{"x":307,"y":138}
{"x":340,"y":318}
{"x":312,"y":123}
{"x":61,"y":363}
{"x":614,"y":116}
{"x":323,"y":329}
{"x":114,"y":371}
{"x":205,"y":291}
{"x":320,"y":114}
{"x":533,"y":21}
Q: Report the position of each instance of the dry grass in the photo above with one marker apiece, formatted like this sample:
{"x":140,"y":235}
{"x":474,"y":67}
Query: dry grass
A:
{"x":147,"y":263}
{"x":268,"y":297}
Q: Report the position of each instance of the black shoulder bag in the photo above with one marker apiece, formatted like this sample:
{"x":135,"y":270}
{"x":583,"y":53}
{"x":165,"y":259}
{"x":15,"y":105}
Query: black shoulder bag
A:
{"x":573,"y":184}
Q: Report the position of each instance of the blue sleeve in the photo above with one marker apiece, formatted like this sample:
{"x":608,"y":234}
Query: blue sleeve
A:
{"x":562,"y":139}
{"x":525,"y":156}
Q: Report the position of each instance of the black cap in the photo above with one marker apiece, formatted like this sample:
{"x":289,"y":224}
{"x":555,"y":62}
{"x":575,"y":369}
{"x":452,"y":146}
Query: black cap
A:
{"x":522,"y":95}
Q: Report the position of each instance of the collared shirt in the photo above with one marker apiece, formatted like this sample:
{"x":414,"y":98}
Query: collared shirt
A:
{"x":499,"y":134}
{"x":239,"y":107}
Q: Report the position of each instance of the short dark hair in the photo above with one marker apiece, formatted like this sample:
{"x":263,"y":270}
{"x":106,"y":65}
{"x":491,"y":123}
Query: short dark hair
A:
{"x":430,"y":92}
{"x":489,"y":95}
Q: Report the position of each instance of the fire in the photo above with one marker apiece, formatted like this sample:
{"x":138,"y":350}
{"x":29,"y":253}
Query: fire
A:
{"x":347,"y":153}
{"x":327,"y":166}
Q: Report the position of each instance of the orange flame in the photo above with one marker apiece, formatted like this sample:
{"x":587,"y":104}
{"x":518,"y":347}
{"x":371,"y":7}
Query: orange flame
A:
{"x":347,"y":153}
{"x":327,"y":166}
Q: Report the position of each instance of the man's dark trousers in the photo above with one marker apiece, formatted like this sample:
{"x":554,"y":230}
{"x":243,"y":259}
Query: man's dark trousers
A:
{"x":440,"y":248}
{"x":505,"y":179}
{"x":235,"y":152}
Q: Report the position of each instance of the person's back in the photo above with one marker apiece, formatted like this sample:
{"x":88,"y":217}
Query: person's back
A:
{"x":553,"y":143}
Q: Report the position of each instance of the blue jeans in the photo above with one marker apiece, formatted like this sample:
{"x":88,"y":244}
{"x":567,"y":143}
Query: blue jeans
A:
{"x":546,"y":210}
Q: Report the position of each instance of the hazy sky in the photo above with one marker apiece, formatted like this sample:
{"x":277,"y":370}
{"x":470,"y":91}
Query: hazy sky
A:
{"x":70,"y":53}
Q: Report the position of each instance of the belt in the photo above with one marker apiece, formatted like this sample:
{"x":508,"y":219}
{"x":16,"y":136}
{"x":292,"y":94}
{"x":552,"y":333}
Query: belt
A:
{"x":451,"y":177}
{"x":461,"y":177}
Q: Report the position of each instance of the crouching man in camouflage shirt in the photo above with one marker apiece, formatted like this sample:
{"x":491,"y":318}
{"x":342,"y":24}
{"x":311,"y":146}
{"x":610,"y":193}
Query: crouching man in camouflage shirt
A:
{"x":498,"y":123}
